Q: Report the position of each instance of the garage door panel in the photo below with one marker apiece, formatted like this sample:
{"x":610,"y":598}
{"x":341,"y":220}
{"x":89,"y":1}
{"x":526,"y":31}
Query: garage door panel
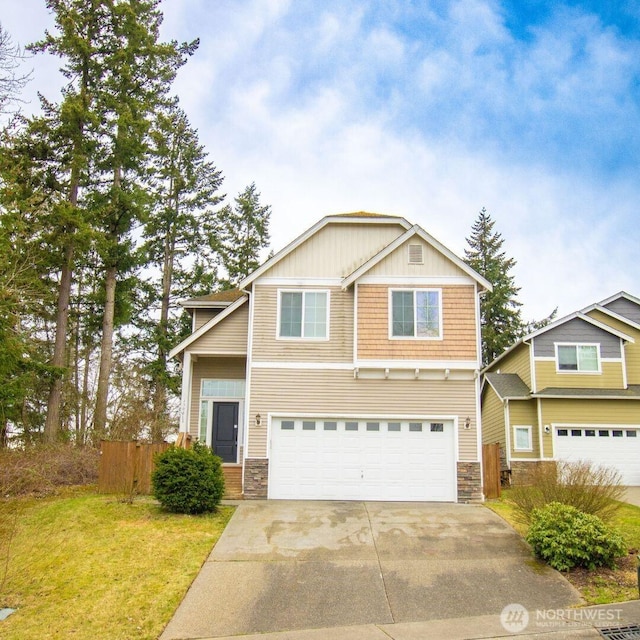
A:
{"x":362,"y":460}
{"x":616,"y":447}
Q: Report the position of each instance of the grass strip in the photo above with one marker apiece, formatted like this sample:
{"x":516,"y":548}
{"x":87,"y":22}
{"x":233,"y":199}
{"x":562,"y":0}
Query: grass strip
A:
{"x":84,"y":565}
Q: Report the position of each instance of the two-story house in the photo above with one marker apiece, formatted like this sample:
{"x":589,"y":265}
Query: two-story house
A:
{"x":570,"y":391}
{"x":345,"y":367}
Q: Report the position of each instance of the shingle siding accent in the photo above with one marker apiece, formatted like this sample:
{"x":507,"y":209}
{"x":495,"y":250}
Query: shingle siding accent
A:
{"x":469,"y":482}
{"x":577,"y":330}
{"x":458,"y":320}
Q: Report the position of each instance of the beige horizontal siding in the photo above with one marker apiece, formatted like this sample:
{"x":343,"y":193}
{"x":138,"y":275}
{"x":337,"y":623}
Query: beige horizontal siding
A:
{"x":202,"y":316}
{"x":516,"y":362}
{"x":211,"y":368}
{"x":336,"y":393}
{"x":434,"y":264}
{"x":336,"y":251}
{"x":610,"y":378}
{"x":631,"y":349}
{"x":458,"y":320}
{"x":492,"y":418}
{"x":229,"y":336}
{"x":267,"y":348}
{"x":524,"y":413}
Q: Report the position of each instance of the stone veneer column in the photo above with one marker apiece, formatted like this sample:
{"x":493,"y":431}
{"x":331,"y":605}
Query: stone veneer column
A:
{"x":256,"y":475}
{"x":469,"y":482}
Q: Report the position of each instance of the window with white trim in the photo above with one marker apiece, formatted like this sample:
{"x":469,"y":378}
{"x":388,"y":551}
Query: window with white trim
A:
{"x":303,"y":314}
{"x":578,"y":358}
{"x":416,"y":313}
{"x":522,"y":440}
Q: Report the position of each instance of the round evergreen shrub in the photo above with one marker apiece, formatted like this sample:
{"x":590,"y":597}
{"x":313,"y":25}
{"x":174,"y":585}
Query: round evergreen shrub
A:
{"x":566,"y":537}
{"x":188,"y":480}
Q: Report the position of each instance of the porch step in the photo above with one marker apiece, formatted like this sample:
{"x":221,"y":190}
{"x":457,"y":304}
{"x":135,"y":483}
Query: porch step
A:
{"x":232,"y":481}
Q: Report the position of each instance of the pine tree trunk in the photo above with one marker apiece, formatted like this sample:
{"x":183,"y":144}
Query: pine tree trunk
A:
{"x":160,"y":396}
{"x":106,"y":355}
{"x":52,"y":423}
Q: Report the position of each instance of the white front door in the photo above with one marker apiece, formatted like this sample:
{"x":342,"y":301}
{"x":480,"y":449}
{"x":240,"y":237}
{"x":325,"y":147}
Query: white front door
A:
{"x":617,"y":447}
{"x":362,"y":459}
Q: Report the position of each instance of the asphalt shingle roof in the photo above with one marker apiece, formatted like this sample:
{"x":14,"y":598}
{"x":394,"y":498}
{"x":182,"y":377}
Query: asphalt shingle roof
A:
{"x":508,"y":385}
{"x":631,"y":392}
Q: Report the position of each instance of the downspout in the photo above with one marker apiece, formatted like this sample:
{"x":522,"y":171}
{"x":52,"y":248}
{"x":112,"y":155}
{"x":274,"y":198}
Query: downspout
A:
{"x":247,"y":393}
{"x":507,"y":423}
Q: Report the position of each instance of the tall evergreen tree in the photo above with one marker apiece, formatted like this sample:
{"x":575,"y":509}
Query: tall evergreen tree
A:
{"x":119,"y":73}
{"x":500,"y":313}
{"x":180,"y":245}
{"x":244,"y":233}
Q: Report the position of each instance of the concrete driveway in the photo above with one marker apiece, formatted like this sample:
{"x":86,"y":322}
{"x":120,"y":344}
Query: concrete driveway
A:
{"x":632,"y":495}
{"x":286,"y":565}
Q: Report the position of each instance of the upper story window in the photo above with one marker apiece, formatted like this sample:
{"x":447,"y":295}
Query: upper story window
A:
{"x":416,"y":313}
{"x":581,"y":358}
{"x":303,"y":314}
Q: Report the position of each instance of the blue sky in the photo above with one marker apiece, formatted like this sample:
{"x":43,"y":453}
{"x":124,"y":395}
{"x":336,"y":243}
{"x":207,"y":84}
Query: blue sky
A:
{"x":428,"y":110}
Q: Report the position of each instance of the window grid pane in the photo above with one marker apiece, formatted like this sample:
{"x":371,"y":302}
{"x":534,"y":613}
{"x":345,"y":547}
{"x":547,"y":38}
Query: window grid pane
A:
{"x":428,"y":314}
{"x":315,"y":315}
{"x":523,"y":441}
{"x":291,"y":314}
{"x":587,"y":358}
{"x":567,"y":358}
{"x":402,"y":313}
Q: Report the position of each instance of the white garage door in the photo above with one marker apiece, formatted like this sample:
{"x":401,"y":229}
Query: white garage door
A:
{"x":362,"y":459}
{"x":616,"y":447}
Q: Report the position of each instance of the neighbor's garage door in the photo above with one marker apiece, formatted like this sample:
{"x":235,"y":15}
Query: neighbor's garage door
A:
{"x":362,"y":459}
{"x":614,"y":447}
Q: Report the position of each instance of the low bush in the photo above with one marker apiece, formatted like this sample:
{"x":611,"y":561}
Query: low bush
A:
{"x":188,"y":480}
{"x":566,"y":538}
{"x":589,"y":488}
{"x":42,"y":469}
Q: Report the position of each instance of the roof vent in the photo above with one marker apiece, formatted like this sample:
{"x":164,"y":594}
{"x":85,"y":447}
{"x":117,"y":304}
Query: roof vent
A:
{"x":415,"y":254}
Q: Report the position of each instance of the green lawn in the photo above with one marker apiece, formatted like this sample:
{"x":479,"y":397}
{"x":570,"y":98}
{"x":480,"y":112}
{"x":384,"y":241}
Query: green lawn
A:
{"x":601,"y":586}
{"x":84,"y":565}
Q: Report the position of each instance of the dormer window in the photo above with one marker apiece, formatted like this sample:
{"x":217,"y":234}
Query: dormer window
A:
{"x":578,"y":358}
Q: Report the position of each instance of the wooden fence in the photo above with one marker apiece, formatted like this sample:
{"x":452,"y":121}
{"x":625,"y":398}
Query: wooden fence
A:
{"x":126,"y":467}
{"x":491,"y":470}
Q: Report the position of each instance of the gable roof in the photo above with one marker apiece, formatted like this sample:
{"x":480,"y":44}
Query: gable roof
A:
{"x":415,"y":230}
{"x":508,"y":386}
{"x":611,"y":314}
{"x":556,"y":323}
{"x":219,"y":299}
{"x":344,"y":218}
{"x":206,"y":326}
{"x":617,"y":296}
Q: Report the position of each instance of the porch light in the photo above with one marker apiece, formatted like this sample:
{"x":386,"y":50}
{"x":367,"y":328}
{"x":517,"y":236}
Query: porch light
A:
{"x":467,"y":423}
{"x":258,"y":419}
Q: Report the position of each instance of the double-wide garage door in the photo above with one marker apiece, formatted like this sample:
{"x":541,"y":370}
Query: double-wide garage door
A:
{"x":616,"y":447}
{"x":362,"y":459}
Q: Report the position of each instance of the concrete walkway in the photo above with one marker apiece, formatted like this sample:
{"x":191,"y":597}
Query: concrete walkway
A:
{"x":365,"y":570}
